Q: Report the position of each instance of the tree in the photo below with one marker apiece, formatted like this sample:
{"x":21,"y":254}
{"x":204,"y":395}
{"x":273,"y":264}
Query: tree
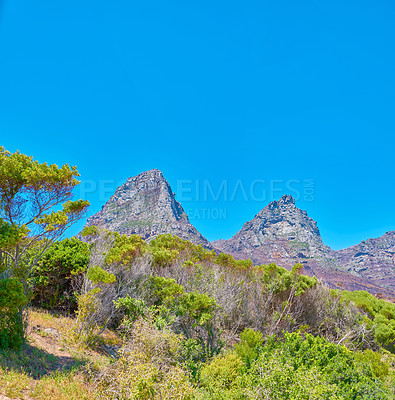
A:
{"x":35,"y":210}
{"x":59,"y":274}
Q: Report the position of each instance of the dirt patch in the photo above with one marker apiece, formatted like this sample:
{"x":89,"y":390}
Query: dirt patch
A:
{"x":49,"y":340}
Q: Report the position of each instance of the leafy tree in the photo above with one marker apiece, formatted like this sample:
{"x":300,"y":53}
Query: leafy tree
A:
{"x":58,"y":274}
{"x":35,"y":210}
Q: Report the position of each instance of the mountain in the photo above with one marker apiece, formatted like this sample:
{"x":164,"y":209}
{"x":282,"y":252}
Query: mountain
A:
{"x":145,"y":205}
{"x":373,"y":259}
{"x":283,"y":234}
{"x":280,"y":231}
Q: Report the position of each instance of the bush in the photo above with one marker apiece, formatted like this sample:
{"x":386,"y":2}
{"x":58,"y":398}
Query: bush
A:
{"x":12,"y":300}
{"x":147,"y":367}
{"x":223,"y":373}
{"x":58,"y":275}
{"x":249,"y":346}
{"x":168,"y":248}
{"x":296,"y":367}
{"x":381,"y":313}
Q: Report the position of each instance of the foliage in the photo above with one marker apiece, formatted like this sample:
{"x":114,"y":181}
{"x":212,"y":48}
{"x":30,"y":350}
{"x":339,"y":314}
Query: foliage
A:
{"x":250,"y":343}
{"x":226,"y":260}
{"x":12,"y":299}
{"x":297,"y":367}
{"x":198,"y":308}
{"x":223,"y":373}
{"x":29,"y":192}
{"x":163,"y":290}
{"x":133,"y":308}
{"x":125,"y":249}
{"x":58,"y":274}
{"x":381,"y":313}
{"x":166,"y":249}
{"x":86,"y":325}
{"x":147,"y":367}
{"x":89,"y":303}
{"x":98,"y":275}
{"x":278,"y":279}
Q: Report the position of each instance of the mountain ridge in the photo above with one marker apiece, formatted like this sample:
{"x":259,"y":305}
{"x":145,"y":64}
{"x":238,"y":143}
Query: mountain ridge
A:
{"x":280,"y":233}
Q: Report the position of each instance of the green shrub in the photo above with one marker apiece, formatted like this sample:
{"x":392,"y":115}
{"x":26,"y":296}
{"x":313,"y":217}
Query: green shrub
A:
{"x":163,"y":290}
{"x":147,"y":368}
{"x":223,"y":373}
{"x":12,"y":299}
{"x":193,"y":356}
{"x":58,"y":274}
{"x":248,"y":348}
{"x":381,"y":313}
{"x":295,"y":367}
{"x":199,"y":308}
{"x":226,"y":260}
{"x":277,"y":279}
{"x":168,"y":248}
{"x":99,"y":275}
{"x":132,"y":308}
{"x":380,"y":368}
{"x":125,"y":249}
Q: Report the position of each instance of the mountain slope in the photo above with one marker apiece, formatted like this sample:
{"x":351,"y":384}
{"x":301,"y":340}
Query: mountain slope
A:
{"x":373,"y":259}
{"x":283,"y":234}
{"x":146,"y":205}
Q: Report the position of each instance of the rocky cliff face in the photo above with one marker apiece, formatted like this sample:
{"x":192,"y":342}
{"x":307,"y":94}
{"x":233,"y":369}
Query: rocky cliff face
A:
{"x":279,"y":232}
{"x":145,"y":205}
{"x":373,"y":259}
{"x":283,"y":234}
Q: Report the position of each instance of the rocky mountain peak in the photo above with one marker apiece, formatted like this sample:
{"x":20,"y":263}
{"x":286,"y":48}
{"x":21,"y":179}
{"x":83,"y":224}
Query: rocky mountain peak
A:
{"x":282,"y":219}
{"x":149,"y":176}
{"x":285,"y":201}
{"x":145,"y":205}
{"x":280,"y":223}
{"x":280,"y":233}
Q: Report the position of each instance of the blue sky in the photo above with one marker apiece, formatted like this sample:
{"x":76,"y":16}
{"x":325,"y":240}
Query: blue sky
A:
{"x":260,"y":97}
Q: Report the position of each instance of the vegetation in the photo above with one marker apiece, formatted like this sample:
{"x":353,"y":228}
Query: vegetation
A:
{"x":300,"y":366}
{"x":58,"y":274}
{"x":29,"y":194}
{"x":12,"y":300}
{"x":119,"y":318}
{"x":380,"y":313}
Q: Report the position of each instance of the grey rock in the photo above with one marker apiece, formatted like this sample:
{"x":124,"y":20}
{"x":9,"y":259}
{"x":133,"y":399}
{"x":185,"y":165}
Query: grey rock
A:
{"x":145,"y":205}
{"x":373,"y":259}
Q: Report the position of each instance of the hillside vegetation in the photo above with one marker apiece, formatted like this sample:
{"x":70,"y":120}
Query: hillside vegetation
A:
{"x":170,"y":320}
{"x":114,"y":317}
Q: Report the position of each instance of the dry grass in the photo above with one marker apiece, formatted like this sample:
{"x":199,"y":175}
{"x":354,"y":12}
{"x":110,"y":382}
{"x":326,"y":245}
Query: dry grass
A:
{"x":48,"y":366}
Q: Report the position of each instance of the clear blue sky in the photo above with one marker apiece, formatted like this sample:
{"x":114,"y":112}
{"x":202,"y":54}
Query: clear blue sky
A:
{"x":253,"y":95}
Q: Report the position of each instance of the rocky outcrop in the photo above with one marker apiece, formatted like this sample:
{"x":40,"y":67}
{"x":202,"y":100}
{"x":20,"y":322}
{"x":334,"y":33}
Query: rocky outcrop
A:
{"x":145,"y":205}
{"x":283,"y":234}
{"x":373,"y":259}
